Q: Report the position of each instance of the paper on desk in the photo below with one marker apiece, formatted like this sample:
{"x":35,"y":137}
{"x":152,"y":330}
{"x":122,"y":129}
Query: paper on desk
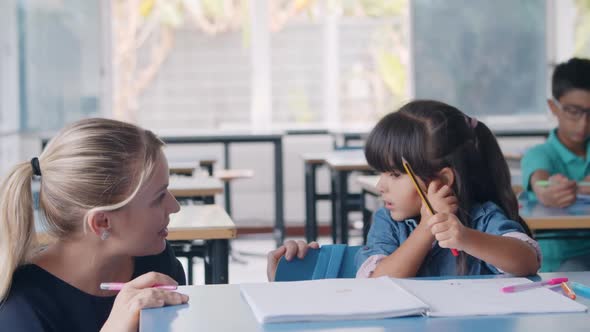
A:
{"x":470,"y":297}
{"x":330,"y":299}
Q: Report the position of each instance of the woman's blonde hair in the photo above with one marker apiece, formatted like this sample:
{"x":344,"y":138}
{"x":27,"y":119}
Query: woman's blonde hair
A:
{"x":92,"y":164}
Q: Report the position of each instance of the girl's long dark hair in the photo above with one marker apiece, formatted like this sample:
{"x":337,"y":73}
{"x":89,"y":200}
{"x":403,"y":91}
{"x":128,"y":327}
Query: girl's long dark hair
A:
{"x":432,"y":135}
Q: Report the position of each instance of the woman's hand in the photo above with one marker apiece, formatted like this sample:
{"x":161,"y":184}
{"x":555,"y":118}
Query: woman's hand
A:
{"x":289,"y":249}
{"x":138,"y":294}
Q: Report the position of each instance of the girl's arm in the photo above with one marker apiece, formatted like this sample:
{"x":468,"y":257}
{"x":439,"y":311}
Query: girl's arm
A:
{"x":405,"y":261}
{"x":508,"y":254}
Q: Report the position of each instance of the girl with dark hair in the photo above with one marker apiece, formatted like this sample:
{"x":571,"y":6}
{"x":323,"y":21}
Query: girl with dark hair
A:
{"x":459,"y":164}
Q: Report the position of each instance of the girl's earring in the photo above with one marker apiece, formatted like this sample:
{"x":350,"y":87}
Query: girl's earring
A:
{"x":105,"y":235}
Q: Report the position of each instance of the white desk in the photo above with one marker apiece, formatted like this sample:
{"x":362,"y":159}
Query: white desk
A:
{"x":219,"y":308}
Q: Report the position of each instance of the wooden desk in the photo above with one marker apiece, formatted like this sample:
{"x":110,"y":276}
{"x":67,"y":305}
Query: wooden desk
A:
{"x":315,"y":158}
{"x":341,"y":164}
{"x":201,"y":222}
{"x":195,"y":222}
{"x":187,"y":168}
{"x":311,"y":162}
{"x":541,"y":218}
{"x":195,"y":187}
{"x":222,"y":308}
{"x":212,"y":224}
{"x":342,"y":137}
{"x":513,"y":156}
{"x":226,"y":138}
{"x":182,"y":170}
{"x":343,"y":160}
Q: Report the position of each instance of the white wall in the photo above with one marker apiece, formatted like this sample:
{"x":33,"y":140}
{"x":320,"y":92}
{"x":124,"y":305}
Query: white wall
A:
{"x":9,"y":105}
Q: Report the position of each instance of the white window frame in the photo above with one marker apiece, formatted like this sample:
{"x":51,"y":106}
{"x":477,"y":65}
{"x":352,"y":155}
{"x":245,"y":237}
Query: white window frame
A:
{"x":560,"y":37}
{"x":106,"y":70}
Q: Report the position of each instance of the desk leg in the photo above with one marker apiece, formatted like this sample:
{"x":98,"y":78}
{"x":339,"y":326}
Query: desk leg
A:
{"x":216,"y":262}
{"x":342,"y":211}
{"x":341,"y":186}
{"x":333,"y":208}
{"x":226,"y":187}
{"x":366,"y":216}
{"x":311,"y":222}
{"x":189,"y":271}
{"x":279,"y":229}
{"x":208,"y":199}
{"x":210,"y":169}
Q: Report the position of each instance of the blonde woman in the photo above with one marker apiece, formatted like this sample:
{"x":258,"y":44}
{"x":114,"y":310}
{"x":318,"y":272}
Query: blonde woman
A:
{"x":104,"y":199}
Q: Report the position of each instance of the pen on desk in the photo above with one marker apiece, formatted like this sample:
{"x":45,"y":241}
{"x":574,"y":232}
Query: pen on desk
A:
{"x":117,"y":286}
{"x":580,"y":289}
{"x":546,"y":183}
{"x":530,"y":285}
{"x":410,"y":172}
{"x":568,"y":291}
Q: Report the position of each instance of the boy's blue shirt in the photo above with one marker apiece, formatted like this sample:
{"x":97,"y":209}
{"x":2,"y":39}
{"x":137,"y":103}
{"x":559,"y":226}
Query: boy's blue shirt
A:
{"x":553,"y":157}
{"x":387,"y":234}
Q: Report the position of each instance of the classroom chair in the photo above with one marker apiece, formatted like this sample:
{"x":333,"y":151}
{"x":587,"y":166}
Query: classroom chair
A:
{"x":329,"y":261}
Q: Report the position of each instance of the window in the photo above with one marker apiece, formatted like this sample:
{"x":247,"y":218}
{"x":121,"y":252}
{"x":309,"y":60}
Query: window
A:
{"x":582,"y":29}
{"x":192,"y":65}
{"x":203,"y":81}
{"x":60,"y":62}
{"x":354,"y":52}
{"x":488,"y":58}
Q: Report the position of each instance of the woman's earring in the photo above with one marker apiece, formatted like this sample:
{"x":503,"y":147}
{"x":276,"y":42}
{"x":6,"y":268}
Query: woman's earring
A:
{"x":105,"y":235}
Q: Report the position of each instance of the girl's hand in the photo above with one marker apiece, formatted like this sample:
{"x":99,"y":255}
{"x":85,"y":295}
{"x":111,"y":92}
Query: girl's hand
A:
{"x":448,"y":231}
{"x":441,"y":198}
{"x":289,"y":249}
{"x":139,"y":294}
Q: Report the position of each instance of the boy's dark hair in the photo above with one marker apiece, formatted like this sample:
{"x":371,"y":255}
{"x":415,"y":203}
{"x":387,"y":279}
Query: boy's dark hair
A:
{"x":571,"y":75}
{"x":432,"y":135}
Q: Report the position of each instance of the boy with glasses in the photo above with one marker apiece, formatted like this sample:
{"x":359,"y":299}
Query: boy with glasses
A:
{"x":557,"y":171}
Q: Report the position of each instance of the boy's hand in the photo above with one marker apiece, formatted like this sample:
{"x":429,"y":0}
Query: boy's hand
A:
{"x":584,"y":189}
{"x":289,"y":249}
{"x":441,"y":198}
{"x":560,"y":193}
{"x":448,"y":230}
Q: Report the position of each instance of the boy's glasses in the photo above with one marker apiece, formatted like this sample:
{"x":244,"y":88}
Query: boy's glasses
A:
{"x":573,"y":112}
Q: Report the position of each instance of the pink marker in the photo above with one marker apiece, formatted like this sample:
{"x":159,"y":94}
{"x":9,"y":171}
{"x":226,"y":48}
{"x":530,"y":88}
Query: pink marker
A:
{"x":521,"y":287}
{"x":117,"y":286}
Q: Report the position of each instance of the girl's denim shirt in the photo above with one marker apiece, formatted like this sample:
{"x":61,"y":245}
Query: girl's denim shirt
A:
{"x":386,"y":235}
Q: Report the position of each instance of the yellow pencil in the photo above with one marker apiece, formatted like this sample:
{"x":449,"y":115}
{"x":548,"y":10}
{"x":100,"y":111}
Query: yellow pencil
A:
{"x":410,"y":172}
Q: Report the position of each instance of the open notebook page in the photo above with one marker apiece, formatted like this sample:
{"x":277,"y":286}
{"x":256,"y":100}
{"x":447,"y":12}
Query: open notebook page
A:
{"x":330,"y":299}
{"x":469,"y":297}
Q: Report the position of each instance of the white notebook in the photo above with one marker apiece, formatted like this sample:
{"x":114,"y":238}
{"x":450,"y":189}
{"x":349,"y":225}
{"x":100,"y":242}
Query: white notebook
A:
{"x":349,"y":299}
